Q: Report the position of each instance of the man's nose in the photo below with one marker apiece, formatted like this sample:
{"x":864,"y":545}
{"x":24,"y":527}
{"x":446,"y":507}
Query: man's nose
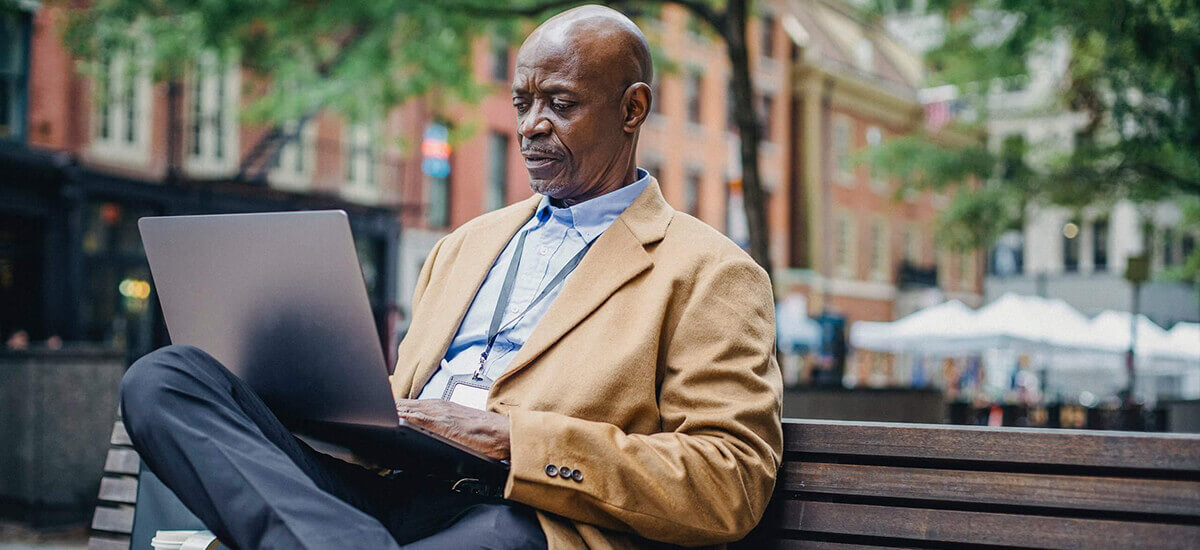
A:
{"x":533,"y":125}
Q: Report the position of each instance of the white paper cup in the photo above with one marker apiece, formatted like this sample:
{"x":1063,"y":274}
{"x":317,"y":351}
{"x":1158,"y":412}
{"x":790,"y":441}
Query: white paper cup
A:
{"x":174,"y":536}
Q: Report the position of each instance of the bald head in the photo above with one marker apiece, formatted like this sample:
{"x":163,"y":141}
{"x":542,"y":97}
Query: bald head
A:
{"x":581,"y":92}
{"x":604,"y":37}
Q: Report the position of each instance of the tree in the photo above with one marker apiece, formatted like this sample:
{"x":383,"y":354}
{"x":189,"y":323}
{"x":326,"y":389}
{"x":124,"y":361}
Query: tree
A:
{"x":362,"y":56}
{"x":1133,"y":74}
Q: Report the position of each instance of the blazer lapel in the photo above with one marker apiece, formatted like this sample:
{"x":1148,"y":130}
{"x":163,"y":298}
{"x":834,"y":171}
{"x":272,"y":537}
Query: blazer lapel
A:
{"x":480,"y":248}
{"x":617,"y":256}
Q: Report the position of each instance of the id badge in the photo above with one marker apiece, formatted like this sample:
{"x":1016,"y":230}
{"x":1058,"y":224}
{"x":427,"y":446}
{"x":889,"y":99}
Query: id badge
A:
{"x":465,"y":390}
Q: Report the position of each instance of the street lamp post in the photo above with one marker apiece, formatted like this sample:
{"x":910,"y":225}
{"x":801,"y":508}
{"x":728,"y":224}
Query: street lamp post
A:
{"x":1137,"y":270}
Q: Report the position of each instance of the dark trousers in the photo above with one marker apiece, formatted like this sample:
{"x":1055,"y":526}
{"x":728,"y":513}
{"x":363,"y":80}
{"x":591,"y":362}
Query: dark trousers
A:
{"x":229,"y":459}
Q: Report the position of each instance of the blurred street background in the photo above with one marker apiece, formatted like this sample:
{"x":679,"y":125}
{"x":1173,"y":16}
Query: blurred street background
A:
{"x":976,"y":212}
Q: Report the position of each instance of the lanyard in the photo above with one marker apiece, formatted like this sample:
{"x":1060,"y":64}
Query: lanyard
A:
{"x":510,"y":279}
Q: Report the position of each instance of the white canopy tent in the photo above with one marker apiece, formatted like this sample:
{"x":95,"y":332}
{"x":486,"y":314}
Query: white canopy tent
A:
{"x":1185,"y":339}
{"x":1062,"y":343}
{"x":933,"y":327}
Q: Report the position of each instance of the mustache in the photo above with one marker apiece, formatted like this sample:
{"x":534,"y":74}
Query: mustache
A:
{"x":541,"y":150}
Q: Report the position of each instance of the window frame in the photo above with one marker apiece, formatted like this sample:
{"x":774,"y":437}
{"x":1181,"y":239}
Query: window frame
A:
{"x":501,"y":152}
{"x":843,"y":170}
{"x":295,"y":162}
{"x":111,"y":105}
{"x":881,"y":257}
{"x":213,"y":100}
{"x":694,"y":105}
{"x":360,"y":154}
{"x":846,"y":253}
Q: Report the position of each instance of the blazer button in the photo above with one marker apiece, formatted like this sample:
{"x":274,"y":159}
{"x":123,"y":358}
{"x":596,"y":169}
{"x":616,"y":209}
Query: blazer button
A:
{"x":577,"y":475}
{"x":551,"y":470}
{"x":565,"y":472}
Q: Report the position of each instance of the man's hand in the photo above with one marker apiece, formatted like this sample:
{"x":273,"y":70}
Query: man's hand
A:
{"x":484,"y":431}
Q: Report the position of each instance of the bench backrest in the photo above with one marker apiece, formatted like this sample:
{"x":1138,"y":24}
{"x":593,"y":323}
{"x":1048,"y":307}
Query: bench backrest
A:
{"x":869,"y":485}
{"x":864,"y":485}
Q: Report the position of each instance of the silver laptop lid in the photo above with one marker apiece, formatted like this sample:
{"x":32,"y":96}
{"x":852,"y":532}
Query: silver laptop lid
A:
{"x":279,"y":299}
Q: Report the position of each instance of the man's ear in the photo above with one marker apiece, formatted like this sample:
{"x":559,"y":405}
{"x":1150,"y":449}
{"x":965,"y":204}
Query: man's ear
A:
{"x":635,"y":106}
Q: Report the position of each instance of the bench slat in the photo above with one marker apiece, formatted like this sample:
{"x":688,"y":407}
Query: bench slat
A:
{"x":116,"y":519}
{"x":119,"y":435}
{"x":119,"y":489}
{"x":122,"y":461}
{"x":1170,"y":452}
{"x":755,"y":543}
{"x":1053,"y":491}
{"x":950,"y":526}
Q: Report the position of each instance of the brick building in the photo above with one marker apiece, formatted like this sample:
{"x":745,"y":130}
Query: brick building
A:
{"x":82,"y":159}
{"x":828,"y":86}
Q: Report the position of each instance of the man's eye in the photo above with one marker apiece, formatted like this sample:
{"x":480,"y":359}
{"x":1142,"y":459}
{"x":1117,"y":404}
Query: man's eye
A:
{"x":561,"y":106}
{"x":521,"y":106}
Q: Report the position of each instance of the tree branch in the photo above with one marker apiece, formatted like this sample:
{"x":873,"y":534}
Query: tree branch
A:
{"x":704,"y":11}
{"x":275,"y":139}
{"x":1183,"y":183}
{"x":491,"y":9}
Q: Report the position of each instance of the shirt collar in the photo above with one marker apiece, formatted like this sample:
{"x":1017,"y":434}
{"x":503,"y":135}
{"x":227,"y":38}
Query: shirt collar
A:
{"x":591,"y":217}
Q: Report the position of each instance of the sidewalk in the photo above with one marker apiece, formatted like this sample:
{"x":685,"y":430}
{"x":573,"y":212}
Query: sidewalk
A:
{"x":18,"y":536}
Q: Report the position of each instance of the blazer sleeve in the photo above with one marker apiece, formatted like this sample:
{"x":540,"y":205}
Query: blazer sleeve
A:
{"x":707,"y":476}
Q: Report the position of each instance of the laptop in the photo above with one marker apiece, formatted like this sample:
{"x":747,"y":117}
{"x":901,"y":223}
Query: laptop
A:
{"x":280,"y":300}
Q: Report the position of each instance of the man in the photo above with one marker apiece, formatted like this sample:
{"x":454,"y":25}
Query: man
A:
{"x":619,"y":354}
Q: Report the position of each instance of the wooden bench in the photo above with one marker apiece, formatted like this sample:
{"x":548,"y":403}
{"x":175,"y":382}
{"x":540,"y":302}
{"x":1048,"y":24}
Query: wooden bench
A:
{"x":850,"y":485}
{"x":858,"y":485}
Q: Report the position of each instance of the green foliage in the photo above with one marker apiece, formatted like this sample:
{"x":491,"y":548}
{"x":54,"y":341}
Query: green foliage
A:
{"x":362,"y":57}
{"x":1134,"y":73}
{"x":357,"y":58}
{"x":1190,"y":270}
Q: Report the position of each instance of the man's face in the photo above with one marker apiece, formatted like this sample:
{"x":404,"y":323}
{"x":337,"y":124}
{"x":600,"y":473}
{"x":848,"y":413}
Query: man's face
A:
{"x":569,"y":119}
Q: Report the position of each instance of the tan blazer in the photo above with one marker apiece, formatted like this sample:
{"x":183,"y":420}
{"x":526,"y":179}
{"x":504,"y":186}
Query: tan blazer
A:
{"x":653,"y":374}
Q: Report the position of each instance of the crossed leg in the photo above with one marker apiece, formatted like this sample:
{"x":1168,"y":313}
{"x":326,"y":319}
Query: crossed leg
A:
{"x":213,"y":441}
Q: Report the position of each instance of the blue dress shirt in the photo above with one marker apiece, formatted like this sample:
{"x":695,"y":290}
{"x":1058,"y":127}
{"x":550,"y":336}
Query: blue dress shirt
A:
{"x":555,"y":236}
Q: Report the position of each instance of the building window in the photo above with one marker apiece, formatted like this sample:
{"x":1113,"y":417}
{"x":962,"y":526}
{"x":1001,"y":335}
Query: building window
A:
{"x":693,"y":89}
{"x":438,"y":191}
{"x":500,"y":57}
{"x":846,"y":246}
{"x":913,"y":245}
{"x":359,"y":156}
{"x":880,"y":258}
{"x":293,"y":165}
{"x":122,"y":121}
{"x":1012,"y":155}
{"x":766,"y":30}
{"x":1008,"y":254}
{"x":497,"y":170}
{"x":1168,"y":247}
{"x":1070,"y":244}
{"x":879,"y":183}
{"x":14,"y":52}
{"x":118,"y":293}
{"x":841,"y":151}
{"x":212,"y":109}
{"x":766,"y":109}
{"x":691,"y":192}
{"x":1100,"y":245}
